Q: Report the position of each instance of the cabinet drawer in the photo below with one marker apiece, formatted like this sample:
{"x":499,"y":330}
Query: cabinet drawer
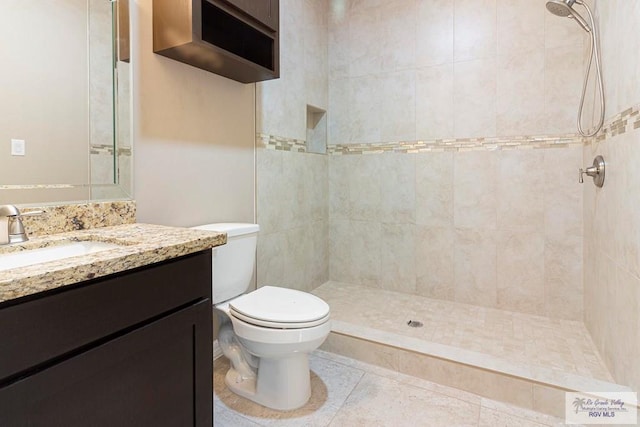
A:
{"x":41,"y":330}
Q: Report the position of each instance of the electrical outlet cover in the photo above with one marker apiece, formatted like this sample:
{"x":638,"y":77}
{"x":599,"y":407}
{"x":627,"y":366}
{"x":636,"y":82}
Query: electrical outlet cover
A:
{"x":18,"y":147}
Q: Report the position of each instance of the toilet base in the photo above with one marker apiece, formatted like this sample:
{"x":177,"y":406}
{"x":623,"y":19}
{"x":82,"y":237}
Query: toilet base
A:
{"x":283,"y":384}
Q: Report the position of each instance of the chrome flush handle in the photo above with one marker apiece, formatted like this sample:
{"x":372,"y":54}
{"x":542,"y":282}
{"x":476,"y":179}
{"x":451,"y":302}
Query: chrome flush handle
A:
{"x":596,"y":171}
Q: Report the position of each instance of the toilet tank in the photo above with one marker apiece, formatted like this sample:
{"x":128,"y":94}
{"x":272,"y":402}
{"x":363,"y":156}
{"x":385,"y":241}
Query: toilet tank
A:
{"x":233,"y":263}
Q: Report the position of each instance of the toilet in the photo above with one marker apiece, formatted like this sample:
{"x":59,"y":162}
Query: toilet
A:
{"x":266,"y":334}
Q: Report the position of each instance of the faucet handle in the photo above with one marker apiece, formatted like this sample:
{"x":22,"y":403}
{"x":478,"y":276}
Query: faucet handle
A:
{"x":8,"y":210}
{"x":32,"y":213}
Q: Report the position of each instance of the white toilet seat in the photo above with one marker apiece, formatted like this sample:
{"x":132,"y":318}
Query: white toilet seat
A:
{"x":282,"y":337}
{"x":280,"y":308}
{"x":277,"y":325}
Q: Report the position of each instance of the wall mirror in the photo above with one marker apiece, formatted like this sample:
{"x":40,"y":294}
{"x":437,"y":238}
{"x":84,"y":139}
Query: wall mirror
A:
{"x":65,"y":110}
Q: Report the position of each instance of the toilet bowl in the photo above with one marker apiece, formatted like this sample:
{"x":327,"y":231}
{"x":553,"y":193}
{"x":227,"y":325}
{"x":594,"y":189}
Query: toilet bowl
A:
{"x":279,"y":346}
{"x":266,"y":334}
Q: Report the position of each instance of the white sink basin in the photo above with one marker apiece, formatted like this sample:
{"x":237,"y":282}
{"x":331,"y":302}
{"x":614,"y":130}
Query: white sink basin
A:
{"x":52,"y":253}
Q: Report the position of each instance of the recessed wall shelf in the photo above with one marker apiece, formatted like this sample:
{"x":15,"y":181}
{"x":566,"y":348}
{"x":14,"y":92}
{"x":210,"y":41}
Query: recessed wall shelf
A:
{"x":237,"y":39}
{"x":316,"y":130}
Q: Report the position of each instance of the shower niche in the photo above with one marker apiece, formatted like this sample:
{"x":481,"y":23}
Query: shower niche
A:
{"x":316,"y":130}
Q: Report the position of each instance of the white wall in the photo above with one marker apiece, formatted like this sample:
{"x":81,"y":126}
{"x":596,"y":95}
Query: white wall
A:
{"x":194,"y":145}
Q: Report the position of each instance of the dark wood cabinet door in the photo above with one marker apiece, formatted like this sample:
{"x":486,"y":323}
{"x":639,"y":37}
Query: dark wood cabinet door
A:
{"x":157,"y":375}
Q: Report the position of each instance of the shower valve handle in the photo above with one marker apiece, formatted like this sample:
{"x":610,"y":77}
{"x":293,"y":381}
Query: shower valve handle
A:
{"x":596,"y":172}
{"x":591,"y":171}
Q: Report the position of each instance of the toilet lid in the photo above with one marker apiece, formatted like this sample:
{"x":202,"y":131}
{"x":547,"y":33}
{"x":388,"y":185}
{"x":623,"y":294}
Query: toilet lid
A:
{"x":280,"y":308}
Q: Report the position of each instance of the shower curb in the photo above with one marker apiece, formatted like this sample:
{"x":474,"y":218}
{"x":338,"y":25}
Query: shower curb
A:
{"x":536,"y":388}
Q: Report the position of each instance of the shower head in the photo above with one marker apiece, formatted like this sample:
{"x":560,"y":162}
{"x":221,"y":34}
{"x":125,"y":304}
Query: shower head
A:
{"x":564,"y":8}
{"x":560,"y":7}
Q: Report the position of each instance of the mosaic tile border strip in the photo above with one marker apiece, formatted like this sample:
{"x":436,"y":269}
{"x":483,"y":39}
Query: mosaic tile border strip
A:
{"x":36,"y":186}
{"x":460,"y":144}
{"x":272,"y":142}
{"x":626,"y":121}
{"x":108,"y":149}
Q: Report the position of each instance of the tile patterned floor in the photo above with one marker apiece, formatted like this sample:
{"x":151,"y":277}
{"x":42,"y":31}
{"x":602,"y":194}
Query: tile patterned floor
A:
{"x":346,"y":392}
{"x":530,"y":340}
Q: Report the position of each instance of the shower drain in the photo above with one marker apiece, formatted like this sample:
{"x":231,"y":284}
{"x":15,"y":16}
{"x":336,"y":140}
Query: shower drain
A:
{"x":414,"y":324}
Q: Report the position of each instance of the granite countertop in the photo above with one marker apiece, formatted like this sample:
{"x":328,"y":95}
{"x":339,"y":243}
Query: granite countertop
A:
{"x":138,"y":245}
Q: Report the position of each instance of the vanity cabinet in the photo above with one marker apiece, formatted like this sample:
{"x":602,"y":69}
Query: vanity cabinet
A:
{"x":130,"y":349}
{"x":238,"y":39}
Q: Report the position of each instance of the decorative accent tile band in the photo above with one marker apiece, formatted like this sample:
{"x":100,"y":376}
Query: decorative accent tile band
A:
{"x":626,"y":121}
{"x":271,"y":142}
{"x":460,"y":144}
{"x":108,"y":149}
{"x":35,"y":186}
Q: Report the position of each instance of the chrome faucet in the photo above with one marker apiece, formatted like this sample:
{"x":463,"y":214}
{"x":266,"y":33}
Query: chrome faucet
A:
{"x":11,"y":228}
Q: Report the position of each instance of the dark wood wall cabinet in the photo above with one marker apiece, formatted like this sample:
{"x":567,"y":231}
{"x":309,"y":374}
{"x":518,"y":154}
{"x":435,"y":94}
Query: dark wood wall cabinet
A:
{"x":238,"y":39}
{"x":130,"y":349}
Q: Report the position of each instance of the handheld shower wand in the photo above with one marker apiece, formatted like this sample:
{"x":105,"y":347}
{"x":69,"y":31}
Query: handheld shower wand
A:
{"x":564,"y":8}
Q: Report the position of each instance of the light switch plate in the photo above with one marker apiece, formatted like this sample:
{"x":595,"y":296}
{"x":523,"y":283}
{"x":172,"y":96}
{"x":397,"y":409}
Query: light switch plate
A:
{"x":18,"y":147}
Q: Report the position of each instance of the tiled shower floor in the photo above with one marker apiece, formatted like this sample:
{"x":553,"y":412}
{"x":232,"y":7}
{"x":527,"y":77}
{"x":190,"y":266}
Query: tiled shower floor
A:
{"x":528,"y":343}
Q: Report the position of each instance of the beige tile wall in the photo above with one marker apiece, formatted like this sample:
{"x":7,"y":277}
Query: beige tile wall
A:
{"x":612,"y":213}
{"x":450,"y":69}
{"x":293,"y":247}
{"x":459,"y":69}
{"x":292,"y":184}
{"x":496,"y":228}
{"x":612,"y":257}
{"x":499,"y":228}
{"x":489,"y":211}
{"x":618,"y":21}
{"x":281,"y":104}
